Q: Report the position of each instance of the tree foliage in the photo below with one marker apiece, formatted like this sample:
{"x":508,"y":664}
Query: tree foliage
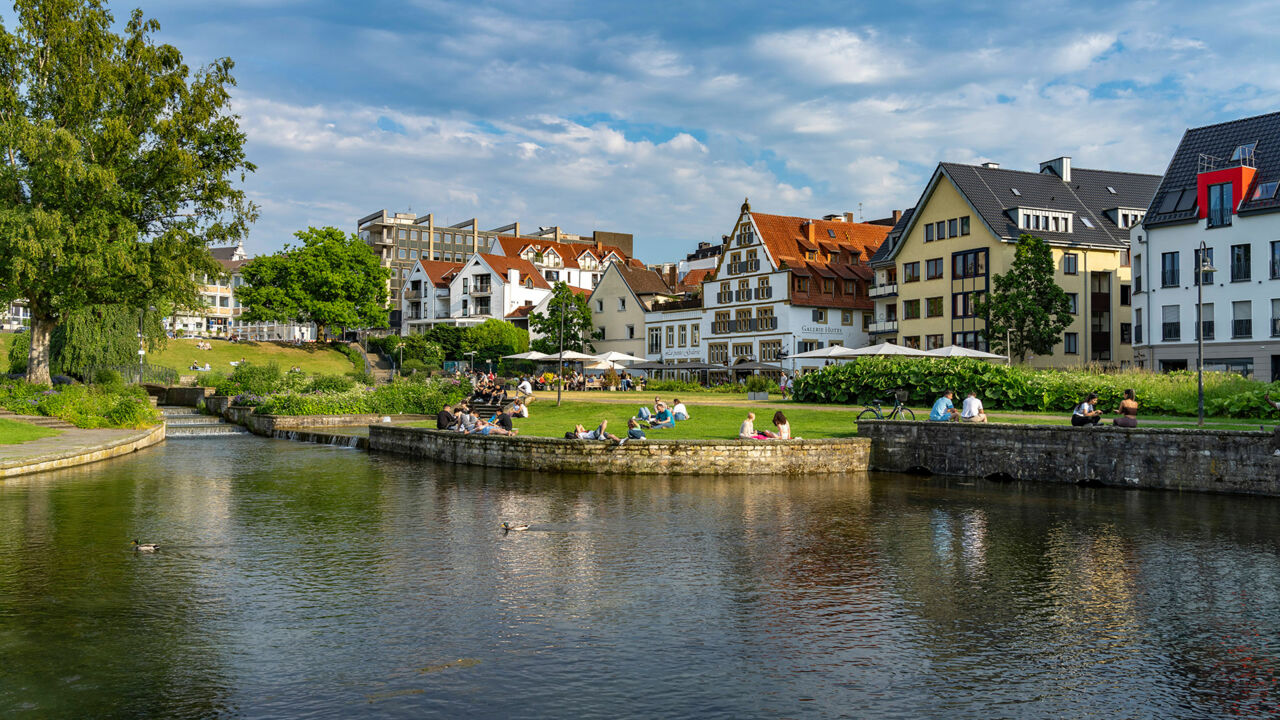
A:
{"x":118,"y":166}
{"x":1026,"y":310}
{"x":95,"y":336}
{"x":448,"y":337}
{"x":493,"y":338}
{"x":332,"y":280}
{"x":578,"y":329}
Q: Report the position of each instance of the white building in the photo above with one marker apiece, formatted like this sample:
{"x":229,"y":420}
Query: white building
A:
{"x":218,"y":317}
{"x":1221,"y":190}
{"x":576,"y":264}
{"x":468,"y":293}
{"x":15,"y":316}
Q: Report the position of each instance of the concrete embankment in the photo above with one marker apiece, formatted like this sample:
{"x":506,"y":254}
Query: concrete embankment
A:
{"x":76,"y":447}
{"x":1173,"y":459}
{"x":676,"y":457}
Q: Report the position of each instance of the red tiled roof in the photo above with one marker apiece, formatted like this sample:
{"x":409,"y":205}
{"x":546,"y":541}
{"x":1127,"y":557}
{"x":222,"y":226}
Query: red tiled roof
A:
{"x":788,"y":237}
{"x":501,"y":264}
{"x":694,"y":279}
{"x":440,"y":272}
{"x":578,"y":290}
{"x":568,"y":252}
{"x":520,"y":312}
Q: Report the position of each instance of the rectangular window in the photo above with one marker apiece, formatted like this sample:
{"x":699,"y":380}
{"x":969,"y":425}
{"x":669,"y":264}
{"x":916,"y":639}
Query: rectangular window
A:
{"x":953,"y":227}
{"x":928,"y":233}
{"x":819,"y":315}
{"x":599,"y":331}
{"x":1070,"y":263}
{"x":933,"y":307}
{"x":1071,"y":343}
{"x":964,"y":225}
{"x":910,"y":272}
{"x":846,"y":317}
{"x":1242,"y":319}
{"x":769,"y":350}
{"x":1137,"y":325}
{"x":631,"y":332}
{"x":599,"y":306}
{"x":742,"y":351}
{"x":962,"y":304}
{"x":941,"y":229}
{"x":1170,"y":323}
{"x":671,"y":336}
{"x":1126,"y":334}
{"x":718,"y":353}
{"x":1073,"y":303}
{"x":932,"y":342}
{"x":1275,"y":319}
{"x":622,"y":304}
{"x":1126,"y":295}
{"x":1220,"y":202}
{"x":1137,"y":273}
{"x":910,"y":309}
{"x":1169,"y":269}
{"x":655,"y":340}
{"x":1241,"y":257}
{"x":969,"y":264}
{"x":1206,"y":321}
{"x":684,"y":335}
{"x":933,"y":269}
{"x":694,"y":334}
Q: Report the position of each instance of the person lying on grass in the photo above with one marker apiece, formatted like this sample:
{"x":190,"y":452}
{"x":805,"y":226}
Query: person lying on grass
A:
{"x":600,"y":433}
{"x":484,"y":427}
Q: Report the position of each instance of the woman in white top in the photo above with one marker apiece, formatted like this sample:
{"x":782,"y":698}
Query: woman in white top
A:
{"x":784,"y":427}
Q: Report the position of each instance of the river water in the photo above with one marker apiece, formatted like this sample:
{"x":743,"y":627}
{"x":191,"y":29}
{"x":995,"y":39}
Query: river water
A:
{"x":302,"y":581}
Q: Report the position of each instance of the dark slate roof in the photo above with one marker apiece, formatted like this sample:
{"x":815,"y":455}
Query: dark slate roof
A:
{"x":990,"y":190}
{"x":1219,"y":141}
{"x":884,"y":253}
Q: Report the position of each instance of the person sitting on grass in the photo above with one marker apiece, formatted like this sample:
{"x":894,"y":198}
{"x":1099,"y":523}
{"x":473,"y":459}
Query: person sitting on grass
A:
{"x":784,"y":427}
{"x":943,"y":409}
{"x":467,"y":421}
{"x":679,"y":411}
{"x":484,"y":427}
{"x":1128,"y":411}
{"x":503,"y":420}
{"x":519,"y":409}
{"x":663,"y":419}
{"x":747,"y":431}
{"x":444,"y":420}
{"x":1087,"y":412}
{"x":600,"y":433}
{"x":634,"y":431}
{"x":972,"y":411}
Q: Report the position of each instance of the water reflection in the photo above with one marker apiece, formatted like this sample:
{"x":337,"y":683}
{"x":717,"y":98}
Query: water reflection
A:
{"x":302,"y":580}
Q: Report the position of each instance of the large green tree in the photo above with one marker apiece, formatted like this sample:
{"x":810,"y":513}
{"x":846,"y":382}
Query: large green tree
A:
{"x":578,"y":329}
{"x":118,"y":166}
{"x":493,"y":338}
{"x":1026,"y":310}
{"x":331,"y":279}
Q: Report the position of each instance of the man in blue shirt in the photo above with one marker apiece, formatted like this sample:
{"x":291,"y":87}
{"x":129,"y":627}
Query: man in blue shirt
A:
{"x":943,"y":409}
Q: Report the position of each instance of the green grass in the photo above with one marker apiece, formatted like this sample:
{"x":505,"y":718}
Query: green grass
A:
{"x":13,"y":432}
{"x":707,"y":422}
{"x":312,"y":359}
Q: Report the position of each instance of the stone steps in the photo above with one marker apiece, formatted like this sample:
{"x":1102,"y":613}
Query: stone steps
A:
{"x":185,"y":422}
{"x":40,"y":420}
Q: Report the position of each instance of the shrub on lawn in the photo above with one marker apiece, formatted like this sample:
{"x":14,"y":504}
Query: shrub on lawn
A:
{"x":330,"y":383}
{"x":1008,"y":387}
{"x":81,"y":405}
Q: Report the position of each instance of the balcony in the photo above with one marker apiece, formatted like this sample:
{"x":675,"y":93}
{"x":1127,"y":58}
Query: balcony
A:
{"x":883,"y":327}
{"x":1242,"y":329}
{"x":1171,"y":331}
{"x":480,"y":290}
{"x":1208,"y":330}
{"x":764,"y":293}
{"x":883,"y":291}
{"x":412,"y":294}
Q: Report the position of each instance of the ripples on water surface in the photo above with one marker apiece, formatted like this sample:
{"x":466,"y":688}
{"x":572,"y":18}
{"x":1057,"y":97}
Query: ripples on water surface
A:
{"x":306,"y":581}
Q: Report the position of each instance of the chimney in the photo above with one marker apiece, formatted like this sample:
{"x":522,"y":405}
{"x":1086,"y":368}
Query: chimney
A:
{"x":848,"y":217}
{"x":1060,"y":166}
{"x":513,"y":276}
{"x":991,"y":165}
{"x":809,"y":229}
{"x":897,"y":215}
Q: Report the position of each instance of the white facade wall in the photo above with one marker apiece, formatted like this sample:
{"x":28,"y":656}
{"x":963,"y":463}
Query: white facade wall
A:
{"x":675,"y":336}
{"x":468,"y":301}
{"x":1252,"y":350}
{"x":14,"y":316}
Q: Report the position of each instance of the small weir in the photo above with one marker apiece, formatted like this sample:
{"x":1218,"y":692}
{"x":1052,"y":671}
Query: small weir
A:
{"x":185,"y":422}
{"x":326,"y":436}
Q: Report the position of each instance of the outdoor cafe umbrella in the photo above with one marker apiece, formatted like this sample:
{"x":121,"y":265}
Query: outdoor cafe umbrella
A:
{"x":958,"y":351}
{"x":570,"y":356}
{"x":753,"y":365}
{"x":603,"y":365}
{"x":830,"y":351}
{"x":651,"y":365}
{"x":614,"y":356}
{"x":531,"y":355}
{"x":885,"y":348}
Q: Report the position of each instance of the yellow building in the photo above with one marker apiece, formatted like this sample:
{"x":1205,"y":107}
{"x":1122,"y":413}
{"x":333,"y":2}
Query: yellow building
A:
{"x":963,"y":232}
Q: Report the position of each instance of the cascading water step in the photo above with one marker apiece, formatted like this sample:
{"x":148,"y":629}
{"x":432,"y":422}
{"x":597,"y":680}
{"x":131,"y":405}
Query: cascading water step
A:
{"x":184,"y":422}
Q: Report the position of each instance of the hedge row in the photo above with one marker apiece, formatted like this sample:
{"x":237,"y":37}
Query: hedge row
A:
{"x":399,"y":397}
{"x":1005,"y":387}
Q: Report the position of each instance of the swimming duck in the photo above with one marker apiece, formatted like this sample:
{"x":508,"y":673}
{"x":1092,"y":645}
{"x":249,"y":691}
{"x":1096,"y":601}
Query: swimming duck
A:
{"x":508,"y":527}
{"x":145,"y":547}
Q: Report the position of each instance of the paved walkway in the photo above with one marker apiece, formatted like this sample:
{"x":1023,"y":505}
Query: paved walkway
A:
{"x":68,"y":442}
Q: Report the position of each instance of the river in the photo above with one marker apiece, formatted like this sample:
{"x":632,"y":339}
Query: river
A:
{"x":303,"y":581}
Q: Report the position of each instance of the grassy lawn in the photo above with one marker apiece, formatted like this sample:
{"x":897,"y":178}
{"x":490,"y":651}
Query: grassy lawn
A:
{"x":707,"y":421}
{"x":13,"y":432}
{"x":179,"y":354}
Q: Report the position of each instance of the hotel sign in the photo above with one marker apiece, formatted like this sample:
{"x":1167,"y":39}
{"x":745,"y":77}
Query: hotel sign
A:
{"x":820,"y":330}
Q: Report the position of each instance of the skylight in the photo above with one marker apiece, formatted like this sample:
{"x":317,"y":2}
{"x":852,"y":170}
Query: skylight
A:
{"x":1015,"y":192}
{"x":1266,"y":190}
{"x":1244,"y":151}
{"x":1111,"y":190}
{"x":1086,"y":222}
{"x":1187,"y":201}
{"x":830,"y":232}
{"x":1170,"y":201}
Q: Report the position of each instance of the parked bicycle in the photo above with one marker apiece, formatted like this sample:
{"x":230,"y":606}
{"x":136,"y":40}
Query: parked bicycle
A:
{"x":899,"y":412}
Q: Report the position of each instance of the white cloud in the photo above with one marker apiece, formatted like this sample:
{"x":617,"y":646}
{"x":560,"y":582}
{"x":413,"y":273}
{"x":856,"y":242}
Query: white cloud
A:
{"x":1079,"y":54}
{"x":836,"y":55}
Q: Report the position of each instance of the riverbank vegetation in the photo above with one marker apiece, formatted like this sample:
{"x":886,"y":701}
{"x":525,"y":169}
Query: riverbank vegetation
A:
{"x":273,"y":392}
{"x":1004,"y":387}
{"x":13,"y":432}
{"x":105,"y":405}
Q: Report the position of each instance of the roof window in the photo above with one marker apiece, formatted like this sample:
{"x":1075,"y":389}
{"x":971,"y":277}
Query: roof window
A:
{"x":1266,"y":190}
{"x":1244,"y":152}
{"x":831,"y":233}
{"x":1111,"y":190}
{"x":1086,"y":221}
{"x":1015,"y":192}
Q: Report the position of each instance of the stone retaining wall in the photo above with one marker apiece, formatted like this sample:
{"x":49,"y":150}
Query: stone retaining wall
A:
{"x":84,"y":455}
{"x":694,"y":457}
{"x":180,"y":396}
{"x":269,"y":424}
{"x":1197,"y":460}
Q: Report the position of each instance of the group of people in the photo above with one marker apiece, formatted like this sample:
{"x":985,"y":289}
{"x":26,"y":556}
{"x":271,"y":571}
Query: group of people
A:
{"x":487,"y":391}
{"x":1085,"y":413}
{"x":748,"y":429}
{"x":662,"y":415}
{"x":463,"y":419}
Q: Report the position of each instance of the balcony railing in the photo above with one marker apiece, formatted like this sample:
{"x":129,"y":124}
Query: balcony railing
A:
{"x":880,"y":291}
{"x":1242,"y":328}
{"x":1275,"y":327}
{"x":1171,"y":332}
{"x":412,"y":294}
{"x":1208,"y":329}
{"x":1169,"y":279}
{"x":482,"y":290}
{"x":883,"y":327}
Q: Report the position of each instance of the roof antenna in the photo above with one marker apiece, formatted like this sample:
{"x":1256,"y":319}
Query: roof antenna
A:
{"x":859,"y":212}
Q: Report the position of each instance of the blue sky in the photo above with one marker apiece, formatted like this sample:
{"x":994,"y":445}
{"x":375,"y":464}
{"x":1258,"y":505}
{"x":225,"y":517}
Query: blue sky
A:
{"x":658,"y":118}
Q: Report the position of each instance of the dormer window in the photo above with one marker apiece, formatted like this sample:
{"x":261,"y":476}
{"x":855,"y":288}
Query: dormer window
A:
{"x":1043,"y":220}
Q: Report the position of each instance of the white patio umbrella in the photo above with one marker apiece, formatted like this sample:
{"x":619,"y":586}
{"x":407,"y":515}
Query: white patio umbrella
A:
{"x":570,"y":356}
{"x":603,"y":365}
{"x":531,"y":355}
{"x":830,"y":351}
{"x":614,"y":356}
{"x":958,"y":351}
{"x":886,"y":348}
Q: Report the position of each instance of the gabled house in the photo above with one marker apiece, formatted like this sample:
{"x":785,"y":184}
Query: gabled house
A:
{"x":942,"y":254}
{"x":577,"y":264}
{"x":425,"y":295}
{"x":1220,"y":190}
{"x":495,"y":286}
{"x":619,"y":303}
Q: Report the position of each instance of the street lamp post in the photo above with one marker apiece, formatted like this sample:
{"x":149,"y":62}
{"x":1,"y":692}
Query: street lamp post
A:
{"x":471,"y":362}
{"x":560,"y":374}
{"x":1202,"y":266}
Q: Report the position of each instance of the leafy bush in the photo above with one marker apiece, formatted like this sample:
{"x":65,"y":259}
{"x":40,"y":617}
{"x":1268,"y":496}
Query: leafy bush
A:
{"x":354,"y":355}
{"x":412,"y":366}
{"x":399,"y":397}
{"x":663,"y":386}
{"x":330,"y":383}
{"x":81,"y":405}
{"x":759,"y":383}
{"x":107,"y":376}
{"x":18,"y":353}
{"x":1008,"y":387}
{"x":361,"y":377}
{"x":252,"y":379}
